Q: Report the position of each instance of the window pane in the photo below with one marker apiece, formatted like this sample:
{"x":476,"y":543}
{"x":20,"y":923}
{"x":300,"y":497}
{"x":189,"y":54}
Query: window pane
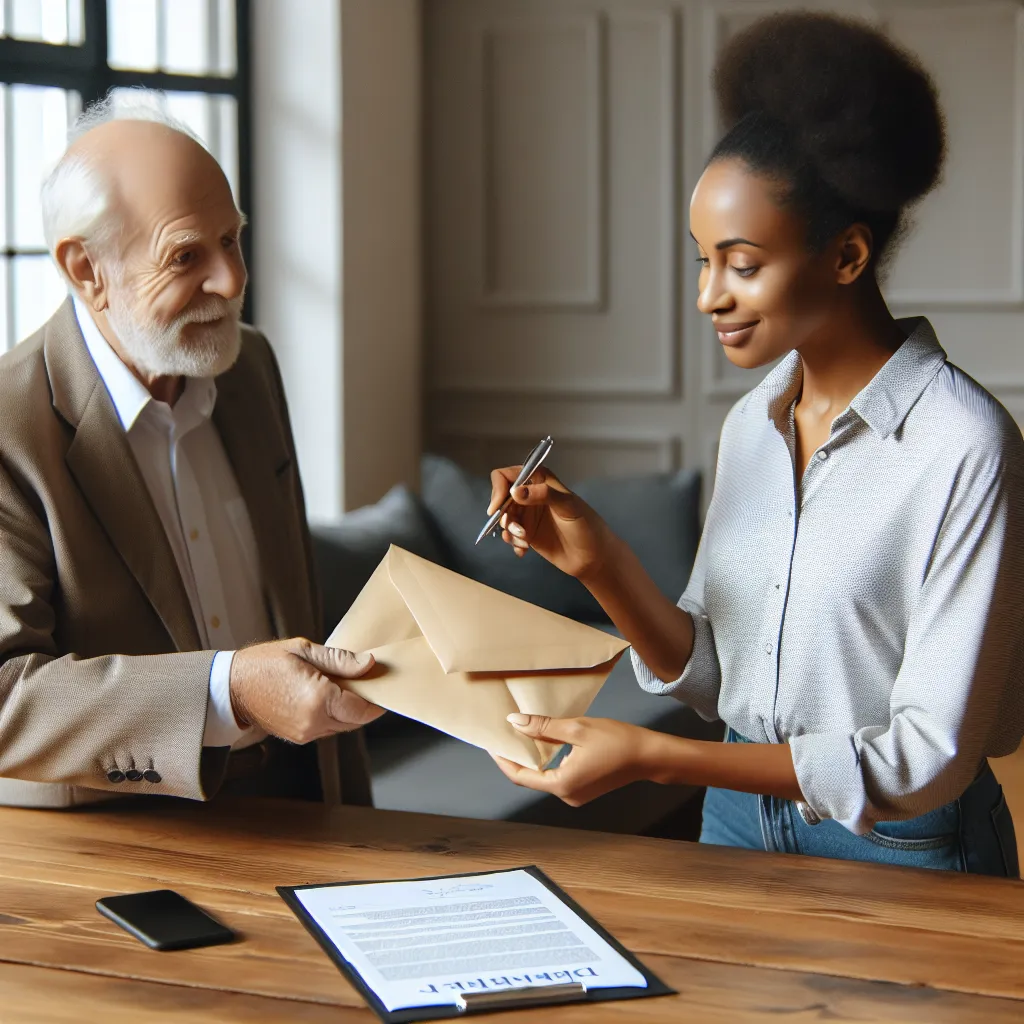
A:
{"x":214,"y":120}
{"x":225,"y":119}
{"x":186,"y":33}
{"x":34,"y":291}
{"x":132,"y":34}
{"x":225,"y":38}
{"x":6,"y":327}
{"x":186,"y":37}
{"x":35,"y":131}
{"x":42,"y":21}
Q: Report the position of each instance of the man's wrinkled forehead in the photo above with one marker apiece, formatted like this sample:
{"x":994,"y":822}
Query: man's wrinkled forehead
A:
{"x":157,"y":176}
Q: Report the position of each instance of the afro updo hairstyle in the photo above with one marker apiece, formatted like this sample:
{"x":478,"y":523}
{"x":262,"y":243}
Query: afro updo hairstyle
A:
{"x":846,"y":122}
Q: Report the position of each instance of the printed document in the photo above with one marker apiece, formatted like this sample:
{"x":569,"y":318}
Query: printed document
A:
{"x":422,"y":943}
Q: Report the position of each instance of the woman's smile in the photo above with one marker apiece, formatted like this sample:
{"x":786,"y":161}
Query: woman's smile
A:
{"x":733,"y":334}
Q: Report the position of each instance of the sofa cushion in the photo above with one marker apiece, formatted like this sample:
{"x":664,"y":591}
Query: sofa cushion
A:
{"x":347,"y":554}
{"x":657,"y":515}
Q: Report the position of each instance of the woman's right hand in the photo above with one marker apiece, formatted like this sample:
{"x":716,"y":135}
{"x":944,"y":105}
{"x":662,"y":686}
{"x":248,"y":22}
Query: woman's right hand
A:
{"x":546,"y":516}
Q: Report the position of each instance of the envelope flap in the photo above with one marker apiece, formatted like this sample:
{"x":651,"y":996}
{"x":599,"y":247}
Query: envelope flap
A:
{"x":474,"y":628}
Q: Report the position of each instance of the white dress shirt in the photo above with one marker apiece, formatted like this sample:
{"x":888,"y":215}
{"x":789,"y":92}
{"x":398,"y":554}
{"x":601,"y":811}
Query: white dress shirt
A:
{"x":871,"y":615}
{"x":193,"y":487}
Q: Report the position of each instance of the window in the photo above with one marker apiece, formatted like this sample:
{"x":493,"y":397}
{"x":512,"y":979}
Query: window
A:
{"x":57,"y":56}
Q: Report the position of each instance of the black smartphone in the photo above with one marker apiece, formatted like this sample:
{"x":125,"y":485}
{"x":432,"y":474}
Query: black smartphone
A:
{"x":164,"y":919}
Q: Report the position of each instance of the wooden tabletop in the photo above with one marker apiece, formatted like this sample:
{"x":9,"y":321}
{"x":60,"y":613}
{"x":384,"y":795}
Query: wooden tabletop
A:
{"x":742,"y":936}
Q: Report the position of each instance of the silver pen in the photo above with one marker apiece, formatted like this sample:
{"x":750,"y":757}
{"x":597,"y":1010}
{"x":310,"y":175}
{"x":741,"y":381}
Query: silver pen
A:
{"x":530,"y":466}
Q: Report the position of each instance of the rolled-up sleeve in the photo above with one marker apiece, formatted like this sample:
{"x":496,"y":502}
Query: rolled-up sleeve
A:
{"x":961,"y":663}
{"x":701,"y":679}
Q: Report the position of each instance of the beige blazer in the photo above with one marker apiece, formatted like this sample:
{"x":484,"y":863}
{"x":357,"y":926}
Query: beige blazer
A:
{"x":100,"y":669}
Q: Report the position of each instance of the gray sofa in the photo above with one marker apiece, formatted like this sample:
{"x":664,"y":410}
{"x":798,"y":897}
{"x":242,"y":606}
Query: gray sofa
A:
{"x":417,"y":768}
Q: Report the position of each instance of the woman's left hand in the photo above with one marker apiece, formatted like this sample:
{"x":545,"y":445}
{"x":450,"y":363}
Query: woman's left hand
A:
{"x":605,"y":755}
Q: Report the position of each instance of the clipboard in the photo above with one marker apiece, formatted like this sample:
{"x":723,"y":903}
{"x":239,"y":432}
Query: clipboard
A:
{"x":506,"y":999}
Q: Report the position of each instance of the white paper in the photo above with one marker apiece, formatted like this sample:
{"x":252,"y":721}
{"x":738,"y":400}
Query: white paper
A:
{"x":421,"y":943}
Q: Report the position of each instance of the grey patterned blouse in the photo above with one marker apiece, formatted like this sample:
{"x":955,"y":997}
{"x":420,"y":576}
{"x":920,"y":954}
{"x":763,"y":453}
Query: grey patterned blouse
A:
{"x":872,"y":618}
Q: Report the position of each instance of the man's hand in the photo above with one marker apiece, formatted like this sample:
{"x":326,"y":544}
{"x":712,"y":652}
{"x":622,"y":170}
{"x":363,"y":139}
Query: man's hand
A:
{"x":289,"y":689}
{"x":605,"y":755}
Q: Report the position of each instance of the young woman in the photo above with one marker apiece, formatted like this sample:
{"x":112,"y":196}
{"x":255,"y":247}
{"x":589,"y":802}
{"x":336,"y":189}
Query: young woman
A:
{"x":856,"y":610}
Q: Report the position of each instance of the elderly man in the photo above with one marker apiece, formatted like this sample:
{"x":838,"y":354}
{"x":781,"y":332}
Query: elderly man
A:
{"x":153,"y":541}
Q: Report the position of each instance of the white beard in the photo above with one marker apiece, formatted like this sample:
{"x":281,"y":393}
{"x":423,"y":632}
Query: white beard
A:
{"x":158,"y":350}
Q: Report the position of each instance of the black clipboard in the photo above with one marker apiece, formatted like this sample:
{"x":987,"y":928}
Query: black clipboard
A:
{"x":655,"y":986}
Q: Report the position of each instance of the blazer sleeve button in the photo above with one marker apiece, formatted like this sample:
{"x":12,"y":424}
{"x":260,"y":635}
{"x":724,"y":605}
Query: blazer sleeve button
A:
{"x":152,"y":775}
{"x":133,"y":775}
{"x":115,"y":776}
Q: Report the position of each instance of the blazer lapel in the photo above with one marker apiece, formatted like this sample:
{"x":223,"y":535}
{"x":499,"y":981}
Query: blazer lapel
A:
{"x":103,"y":465}
{"x":259,"y":456}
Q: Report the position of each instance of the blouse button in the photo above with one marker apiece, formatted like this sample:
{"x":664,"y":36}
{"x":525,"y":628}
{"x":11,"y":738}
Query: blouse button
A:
{"x":768,"y":648}
{"x":823,"y":455}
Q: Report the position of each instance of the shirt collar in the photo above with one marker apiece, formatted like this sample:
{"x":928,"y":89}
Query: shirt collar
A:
{"x":887,"y":399}
{"x":129,"y":395}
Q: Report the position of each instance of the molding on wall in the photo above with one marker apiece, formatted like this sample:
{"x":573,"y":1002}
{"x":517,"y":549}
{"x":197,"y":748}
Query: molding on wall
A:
{"x":663,"y":387}
{"x":667,"y":382}
{"x":667,"y":450}
{"x":670,"y":29}
{"x":592,"y":297}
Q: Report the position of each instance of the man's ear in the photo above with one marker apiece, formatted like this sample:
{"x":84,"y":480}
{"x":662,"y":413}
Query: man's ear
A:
{"x":82,"y":271}
{"x":855,"y":248}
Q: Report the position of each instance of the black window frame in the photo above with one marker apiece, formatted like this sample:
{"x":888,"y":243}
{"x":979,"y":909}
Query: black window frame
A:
{"x":84,"y":68}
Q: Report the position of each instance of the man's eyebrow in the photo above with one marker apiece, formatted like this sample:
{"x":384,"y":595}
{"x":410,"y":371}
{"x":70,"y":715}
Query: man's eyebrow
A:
{"x":185,"y":238}
{"x":192,"y":237}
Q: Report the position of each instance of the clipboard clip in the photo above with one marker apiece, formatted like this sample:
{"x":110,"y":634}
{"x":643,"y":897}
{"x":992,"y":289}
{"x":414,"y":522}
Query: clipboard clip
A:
{"x":511,"y":998}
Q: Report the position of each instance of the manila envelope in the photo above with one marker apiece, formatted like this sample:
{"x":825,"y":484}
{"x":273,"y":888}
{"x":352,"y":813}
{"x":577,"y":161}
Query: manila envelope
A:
{"x":460,"y":656}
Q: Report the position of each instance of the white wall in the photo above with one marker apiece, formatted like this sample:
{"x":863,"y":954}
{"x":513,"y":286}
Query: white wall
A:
{"x":565,"y":138}
{"x":296,"y":224}
{"x":336,"y":97}
{"x":382,"y":173}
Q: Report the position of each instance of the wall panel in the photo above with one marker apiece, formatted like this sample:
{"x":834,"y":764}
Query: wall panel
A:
{"x":542,"y":163}
{"x":552,"y":186}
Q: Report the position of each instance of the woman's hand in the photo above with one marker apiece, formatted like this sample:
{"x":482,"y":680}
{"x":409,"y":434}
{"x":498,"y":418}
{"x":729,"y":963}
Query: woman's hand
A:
{"x":605,"y":755}
{"x":546,"y":516}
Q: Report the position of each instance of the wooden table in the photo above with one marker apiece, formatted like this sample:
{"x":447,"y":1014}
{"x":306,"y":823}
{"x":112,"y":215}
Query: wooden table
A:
{"x":743,"y":936}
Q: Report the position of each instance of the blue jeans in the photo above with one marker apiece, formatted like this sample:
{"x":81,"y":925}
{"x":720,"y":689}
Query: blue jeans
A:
{"x":974,"y":833}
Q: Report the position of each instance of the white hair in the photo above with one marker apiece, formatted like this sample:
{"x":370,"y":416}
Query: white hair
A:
{"x":76,"y":200}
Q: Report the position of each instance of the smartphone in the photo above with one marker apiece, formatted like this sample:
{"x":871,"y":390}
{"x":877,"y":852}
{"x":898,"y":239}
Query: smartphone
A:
{"x":164,"y":919}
